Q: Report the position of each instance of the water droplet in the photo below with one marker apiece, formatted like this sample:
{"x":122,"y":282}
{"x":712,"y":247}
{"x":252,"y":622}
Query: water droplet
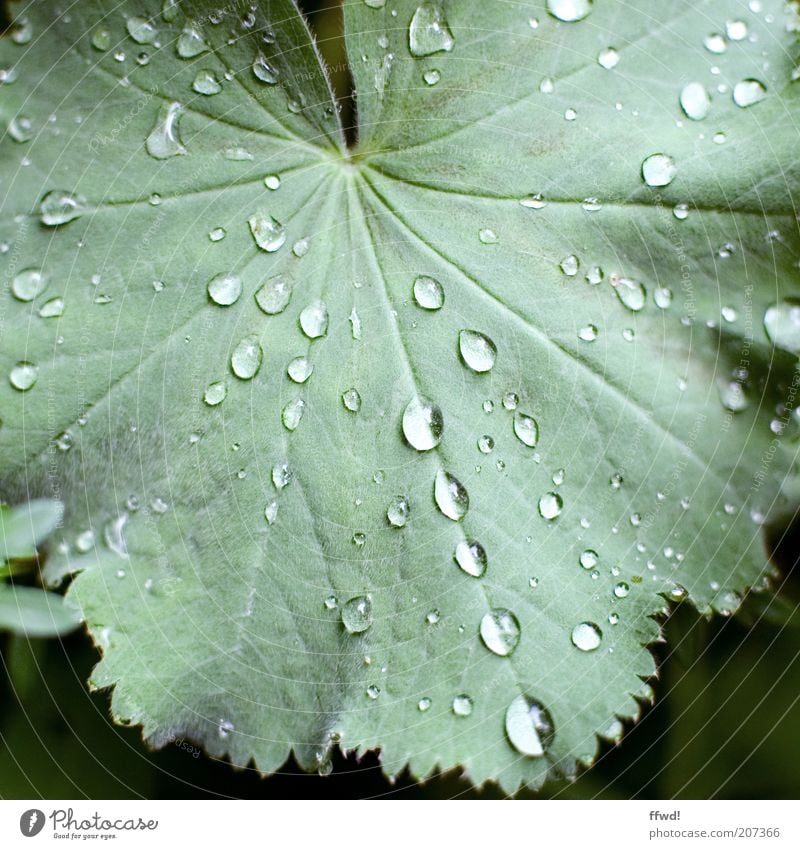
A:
{"x":588,"y":333}
{"x":217,"y":234}
{"x":432,"y":76}
{"x":695,"y":101}
{"x":268,"y":232}
{"x":423,"y":424}
{"x":190,"y":43}
{"x":487,"y":236}
{"x":477,"y":351}
{"x":462,"y":705}
{"x":274,"y":296}
{"x":20,"y":128}
{"x":547,"y":85}
{"x":224,"y":728}
{"x":52,"y":308}
{"x":225,"y":289}
{"x":22,"y":31}
{"x":450,"y":495}
{"x":681,"y":211}
{"x":500,"y":631}
{"x":550,"y":506}
{"x":359,"y":539}
{"x":282,"y":475}
{"x":238,"y":154}
{"x":736,"y":30}
{"x":141,"y":30}
{"x":569,"y":11}
{"x":357,"y":614}
{"x":264,"y":71}
{"x":663,"y":297}
{"x":300,"y":248}
{"x":373,"y":692}
{"x":782,"y":325}
{"x":424,"y":704}
{"x":529,"y":726}
{"x":299,"y":369}
{"x":471,"y":557}
{"x":732,"y":395}
{"x":428,"y":293}
{"x":352,"y":400}
{"x":59,"y":207}
{"x":591,"y":205}
{"x":621,"y":589}
{"x":485,"y":444}
{"x":246,"y":358}
{"x":533,"y":202}
{"x":658,"y":170}
{"x":101,"y":39}
{"x":272,"y":182}
{"x":314,"y":320}
{"x":748,"y":92}
{"x":28,"y":284}
{"x":206,"y":83}
{"x":630,"y":292}
{"x":215,"y":393}
{"x":164,"y":139}
{"x":569,"y":265}
{"x":397,"y":512}
{"x":586,"y":636}
{"x":715,"y":43}
{"x":589,"y":559}
{"x":24,"y":375}
{"x":526,"y":429}
{"x":292,"y":413}
{"x":608,"y":58}
{"x":428,"y":31}
{"x":271,"y":512}
{"x":570,"y":114}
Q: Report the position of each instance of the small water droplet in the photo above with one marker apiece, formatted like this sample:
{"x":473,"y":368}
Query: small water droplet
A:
{"x":59,"y":207}
{"x":357,"y":614}
{"x":608,"y":58}
{"x":423,"y":424}
{"x":529,"y":726}
{"x":397,"y":512}
{"x":28,"y":284}
{"x":373,"y":691}
{"x":569,"y":265}
{"x":736,"y":30}
{"x":424,"y":704}
{"x":224,"y":289}
{"x":264,"y":71}
{"x":282,"y":475}
{"x":20,"y":128}
{"x":299,"y":369}
{"x":715,"y":43}
{"x":658,"y":170}
{"x":471,"y":557}
{"x":533,"y":202}
{"x":272,"y":182}
{"x":477,"y":351}
{"x":621,"y":589}
{"x":428,"y":31}
{"x":526,"y":429}
{"x":141,"y":30}
{"x":225,"y":728}
{"x":432,"y":76}
{"x":749,"y":92}
{"x":271,"y":512}
{"x":101,"y":39}
{"x":206,"y":83}
{"x":630,"y":292}
{"x":485,"y":444}
{"x":246,"y":358}
{"x":352,"y":400}
{"x":500,"y":631}
{"x":782,"y":325}
{"x":292,"y":413}
{"x":550,"y":506}
{"x":164,"y":139}
{"x":695,"y":101}
{"x":269,"y":234}
{"x":732,"y":395}
{"x":215,"y":394}
{"x":314,"y":320}
{"x":428,"y":293}
{"x":450,"y":495}
{"x":462,"y":705}
{"x":589,"y":559}
{"x":487,"y":236}
{"x":190,"y":43}
{"x":569,"y":11}
{"x":274,"y":296}
{"x":24,"y":376}
{"x":588,"y":333}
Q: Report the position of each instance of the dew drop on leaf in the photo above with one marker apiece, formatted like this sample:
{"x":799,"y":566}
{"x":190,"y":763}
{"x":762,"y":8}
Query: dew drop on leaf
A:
{"x":586,"y":636}
{"x":589,"y":559}
{"x":28,"y":284}
{"x":487,"y":236}
{"x":101,"y":39}
{"x":292,"y":413}
{"x":274,"y":296}
{"x":526,"y":429}
{"x":462,"y":705}
{"x":423,"y":424}
{"x":58,"y":207}
{"x":608,"y":58}
{"x":397,"y":512}
{"x":695,"y":101}
{"x":373,"y":691}
{"x":314,"y":320}
{"x":428,"y":293}
{"x":432,"y":76}
{"x":569,"y":11}
{"x":206,"y":83}
{"x":749,"y":92}
{"x":352,"y":400}
{"x":477,"y":351}
{"x":268,"y":232}
{"x":715,"y":43}
{"x":190,"y":43}
{"x":24,"y":375}
{"x":224,"y":289}
{"x":782,"y":325}
{"x":529,"y":726}
{"x":428,"y":31}
{"x":424,"y":704}
{"x":471,"y":557}
{"x":450,"y":495}
{"x":141,"y":30}
{"x":264,"y":71}
{"x":550,"y":505}
{"x":485,"y":444}
{"x":281,"y":475}
{"x":20,"y":128}
{"x":164,"y":139}
{"x":52,"y":308}
{"x":271,"y":512}
{"x":569,"y":265}
{"x":658,"y":170}
{"x":500,"y":631}
{"x":299,"y":369}
{"x":357,"y":614}
{"x":630,"y":292}
{"x":215,"y":393}
{"x":246,"y":358}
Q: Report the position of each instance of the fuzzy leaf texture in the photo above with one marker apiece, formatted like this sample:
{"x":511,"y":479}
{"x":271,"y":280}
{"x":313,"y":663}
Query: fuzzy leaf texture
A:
{"x":266,"y":557}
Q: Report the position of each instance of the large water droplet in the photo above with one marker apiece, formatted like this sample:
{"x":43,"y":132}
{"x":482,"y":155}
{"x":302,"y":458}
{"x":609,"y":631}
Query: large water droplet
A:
{"x":52,"y":308}
{"x":658,"y":170}
{"x":569,"y":10}
{"x":206,"y":83}
{"x":450,"y":495}
{"x":586,"y":636}
{"x":423,"y":424}
{"x":191,"y":43}
{"x":462,"y":705}
{"x":500,"y":631}
{"x":748,"y":92}
{"x":59,"y":207}
{"x":550,"y":505}
{"x":529,"y":726}
{"x":164,"y":139}
{"x":782,"y":325}
{"x":471,"y":557}
{"x":314,"y":320}
{"x":428,"y":32}
{"x":246,"y":358}
{"x":268,"y":232}
{"x":20,"y":128}
{"x":292,"y":413}
{"x":695,"y":101}
{"x":357,"y":614}
{"x":632,"y":293}
{"x":397,"y":512}
{"x":141,"y":30}
{"x":215,"y":393}
{"x":299,"y":369}
{"x":274,"y":296}
{"x":477,"y":351}
{"x":225,"y":289}
{"x":24,"y":375}
{"x":28,"y":284}
{"x":428,"y":293}
{"x":264,"y":71}
{"x":526,"y":429}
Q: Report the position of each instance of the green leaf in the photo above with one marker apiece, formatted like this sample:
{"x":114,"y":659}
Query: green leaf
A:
{"x":25,"y":527}
{"x":35,"y":613}
{"x":629,"y":464}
